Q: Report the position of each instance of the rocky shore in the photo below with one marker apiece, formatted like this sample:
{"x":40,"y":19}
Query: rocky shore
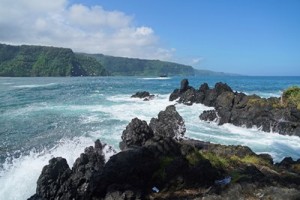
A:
{"x":156,"y":161}
{"x":237,"y":108}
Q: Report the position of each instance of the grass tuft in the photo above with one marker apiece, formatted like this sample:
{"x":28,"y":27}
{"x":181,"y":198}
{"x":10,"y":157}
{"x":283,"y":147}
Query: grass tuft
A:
{"x":292,"y":96}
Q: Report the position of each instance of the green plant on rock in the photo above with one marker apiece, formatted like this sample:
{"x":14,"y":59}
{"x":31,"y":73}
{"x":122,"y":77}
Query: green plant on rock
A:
{"x":215,"y":160}
{"x":249,"y":159}
{"x":161,"y":172}
{"x":194,"y":157}
{"x":236,"y":176}
{"x":296,"y":168}
{"x":292,"y":96}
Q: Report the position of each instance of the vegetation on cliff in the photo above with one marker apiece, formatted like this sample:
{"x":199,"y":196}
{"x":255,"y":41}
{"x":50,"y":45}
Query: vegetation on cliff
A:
{"x":120,"y":66}
{"x":28,"y":60}
{"x":46,"y":61}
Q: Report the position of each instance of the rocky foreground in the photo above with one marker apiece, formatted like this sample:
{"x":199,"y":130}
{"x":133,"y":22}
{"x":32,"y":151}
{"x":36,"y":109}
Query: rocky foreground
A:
{"x":239,"y":109}
{"x":157,"y":162}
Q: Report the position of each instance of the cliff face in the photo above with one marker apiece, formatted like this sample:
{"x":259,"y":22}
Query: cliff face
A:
{"x":46,"y":61}
{"x":156,"y":162}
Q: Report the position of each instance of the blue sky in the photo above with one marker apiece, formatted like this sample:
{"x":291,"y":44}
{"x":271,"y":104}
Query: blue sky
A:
{"x":247,"y":37}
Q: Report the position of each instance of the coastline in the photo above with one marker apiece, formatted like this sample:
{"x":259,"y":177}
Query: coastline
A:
{"x":162,"y":145}
{"x":108,"y":95}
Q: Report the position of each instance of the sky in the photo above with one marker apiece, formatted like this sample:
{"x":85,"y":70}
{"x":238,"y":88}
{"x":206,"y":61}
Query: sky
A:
{"x":249,"y":37}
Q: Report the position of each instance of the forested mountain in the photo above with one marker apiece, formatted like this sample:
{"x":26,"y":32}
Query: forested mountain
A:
{"x":141,"y":67}
{"x":28,"y":60}
{"x":201,"y":72}
{"x":46,"y":61}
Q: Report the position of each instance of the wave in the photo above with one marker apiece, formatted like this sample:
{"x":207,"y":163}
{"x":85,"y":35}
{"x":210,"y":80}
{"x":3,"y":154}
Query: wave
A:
{"x":278,"y":146}
{"x":265,"y":94}
{"x":34,"y":85}
{"x":23,"y":172}
{"x":6,"y":83}
{"x":156,"y":78}
{"x":110,"y":117}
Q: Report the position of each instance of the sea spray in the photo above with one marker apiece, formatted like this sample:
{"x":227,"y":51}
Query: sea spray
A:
{"x":71,"y":114}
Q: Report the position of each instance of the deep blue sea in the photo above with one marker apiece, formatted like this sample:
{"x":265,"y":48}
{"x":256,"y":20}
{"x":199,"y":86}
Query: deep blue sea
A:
{"x":45,"y":117}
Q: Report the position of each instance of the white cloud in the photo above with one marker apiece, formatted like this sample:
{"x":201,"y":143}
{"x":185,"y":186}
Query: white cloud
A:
{"x":82,"y":28}
{"x":196,"y":60}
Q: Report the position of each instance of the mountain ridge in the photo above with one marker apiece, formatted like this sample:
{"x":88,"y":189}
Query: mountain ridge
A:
{"x":32,"y":60}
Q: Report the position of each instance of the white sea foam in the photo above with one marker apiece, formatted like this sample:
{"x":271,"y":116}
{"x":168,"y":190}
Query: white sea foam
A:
{"x":7,"y":83}
{"x":134,"y":107}
{"x":156,"y":78}
{"x":265,"y":94}
{"x":34,"y":85}
{"x":22,"y":173}
{"x":278,"y":146}
{"x":91,"y":119}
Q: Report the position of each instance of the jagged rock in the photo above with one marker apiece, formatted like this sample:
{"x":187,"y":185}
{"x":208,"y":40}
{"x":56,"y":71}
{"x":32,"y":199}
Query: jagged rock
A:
{"x":222,"y":87}
{"x":152,"y":156}
{"x":287,"y":162}
{"x":57,"y":181}
{"x":137,"y":132}
{"x":209,"y":115}
{"x":174,"y":95}
{"x":241,"y":110}
{"x":184,"y":85}
{"x":168,"y":124}
{"x":143,"y":95}
{"x":187,"y":94}
{"x":204,"y":87}
{"x":52,"y":177}
{"x":160,"y":145}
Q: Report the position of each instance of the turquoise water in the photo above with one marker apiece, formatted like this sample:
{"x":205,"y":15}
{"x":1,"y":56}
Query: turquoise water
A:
{"x":45,"y":117}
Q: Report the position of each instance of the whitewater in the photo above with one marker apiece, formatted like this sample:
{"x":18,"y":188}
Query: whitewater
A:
{"x":41,"y":118}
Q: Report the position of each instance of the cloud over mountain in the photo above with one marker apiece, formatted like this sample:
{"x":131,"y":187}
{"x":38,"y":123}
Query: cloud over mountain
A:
{"x":90,"y":29}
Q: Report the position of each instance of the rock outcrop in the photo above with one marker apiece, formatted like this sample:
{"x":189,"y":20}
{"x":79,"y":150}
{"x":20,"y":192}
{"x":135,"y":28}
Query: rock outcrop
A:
{"x":143,"y":95}
{"x":155,"y":164}
{"x":240,"y":109}
{"x":58,"y":181}
{"x":168,"y":124}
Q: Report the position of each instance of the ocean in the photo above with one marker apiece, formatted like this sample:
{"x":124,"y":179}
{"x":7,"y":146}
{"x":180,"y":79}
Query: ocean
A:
{"x":41,"y":118}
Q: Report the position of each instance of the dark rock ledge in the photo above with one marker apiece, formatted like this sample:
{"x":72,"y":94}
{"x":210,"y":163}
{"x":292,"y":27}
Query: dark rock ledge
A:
{"x":240,"y":109}
{"x":155,"y":156}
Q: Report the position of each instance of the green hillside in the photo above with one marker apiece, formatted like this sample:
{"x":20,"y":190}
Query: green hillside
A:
{"x":121,"y":66}
{"x":46,"y":61}
{"x":28,"y":60}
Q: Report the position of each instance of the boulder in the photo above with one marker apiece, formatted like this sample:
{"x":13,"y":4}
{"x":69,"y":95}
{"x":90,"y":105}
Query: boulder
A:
{"x":143,"y":95}
{"x":209,"y":115}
